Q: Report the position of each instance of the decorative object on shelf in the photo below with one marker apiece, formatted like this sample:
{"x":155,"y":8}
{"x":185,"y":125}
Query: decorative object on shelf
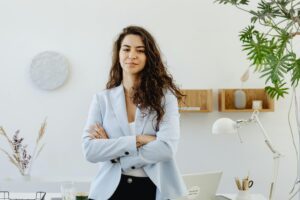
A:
{"x":239,"y":99}
{"x":196,"y":101}
{"x":226,"y":125}
{"x":270,"y":49}
{"x":20,"y":156}
{"x":227,"y":100}
{"x":245,"y":76}
{"x":239,"y":94}
{"x":49,"y":70}
{"x":257,"y":104}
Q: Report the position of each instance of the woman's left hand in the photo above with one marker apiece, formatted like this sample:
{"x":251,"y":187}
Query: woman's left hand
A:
{"x":96,"y":131}
{"x":144,"y":139}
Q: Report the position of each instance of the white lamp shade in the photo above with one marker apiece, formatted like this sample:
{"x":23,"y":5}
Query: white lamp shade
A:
{"x":224,"y":126}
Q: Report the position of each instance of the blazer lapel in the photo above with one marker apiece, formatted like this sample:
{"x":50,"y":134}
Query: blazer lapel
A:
{"x":141,"y":117}
{"x":117,"y":99}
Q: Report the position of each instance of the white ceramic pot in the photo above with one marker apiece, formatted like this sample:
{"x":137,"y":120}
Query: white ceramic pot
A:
{"x":243,"y":195}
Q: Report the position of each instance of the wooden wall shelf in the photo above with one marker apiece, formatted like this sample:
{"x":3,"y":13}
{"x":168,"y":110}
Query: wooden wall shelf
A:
{"x":196,"y":101}
{"x":226,"y":100}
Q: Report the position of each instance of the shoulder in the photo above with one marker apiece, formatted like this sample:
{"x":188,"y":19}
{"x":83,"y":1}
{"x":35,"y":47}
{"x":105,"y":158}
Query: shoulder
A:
{"x":109,"y":93}
{"x":106,"y":92}
{"x":167,"y":92}
{"x":101,"y":93}
{"x":169,"y":96}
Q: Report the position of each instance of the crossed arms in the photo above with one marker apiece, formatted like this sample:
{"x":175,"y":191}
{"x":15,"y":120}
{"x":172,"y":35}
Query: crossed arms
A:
{"x":132,"y":151}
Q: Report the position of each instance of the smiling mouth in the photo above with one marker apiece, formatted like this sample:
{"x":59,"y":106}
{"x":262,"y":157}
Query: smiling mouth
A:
{"x":131,"y":63}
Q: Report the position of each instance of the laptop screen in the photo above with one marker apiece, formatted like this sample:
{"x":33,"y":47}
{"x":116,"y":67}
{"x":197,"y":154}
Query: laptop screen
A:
{"x":202,"y":186}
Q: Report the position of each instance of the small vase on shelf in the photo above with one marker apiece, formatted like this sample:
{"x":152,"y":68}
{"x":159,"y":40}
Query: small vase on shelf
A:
{"x":239,"y":99}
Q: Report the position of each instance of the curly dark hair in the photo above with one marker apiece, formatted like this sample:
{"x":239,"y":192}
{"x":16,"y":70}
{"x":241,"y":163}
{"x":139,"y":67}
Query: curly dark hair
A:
{"x":154,"y":78}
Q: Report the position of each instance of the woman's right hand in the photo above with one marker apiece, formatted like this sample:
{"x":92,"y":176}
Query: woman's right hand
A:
{"x":144,"y":139}
{"x":96,"y":131}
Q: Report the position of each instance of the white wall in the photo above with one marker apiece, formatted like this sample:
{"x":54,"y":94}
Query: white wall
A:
{"x":199,"y":40}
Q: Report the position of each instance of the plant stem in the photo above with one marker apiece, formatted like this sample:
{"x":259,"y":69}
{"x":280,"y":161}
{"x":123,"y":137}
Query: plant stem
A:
{"x":242,"y":9}
{"x":294,"y":34}
{"x":276,"y":25}
{"x":296,"y":19}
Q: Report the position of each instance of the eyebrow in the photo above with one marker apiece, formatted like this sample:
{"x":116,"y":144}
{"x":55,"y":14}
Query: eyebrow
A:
{"x":125,"y":45}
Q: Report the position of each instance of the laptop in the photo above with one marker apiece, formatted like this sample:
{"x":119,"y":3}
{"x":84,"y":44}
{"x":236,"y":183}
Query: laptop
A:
{"x":202,"y":186}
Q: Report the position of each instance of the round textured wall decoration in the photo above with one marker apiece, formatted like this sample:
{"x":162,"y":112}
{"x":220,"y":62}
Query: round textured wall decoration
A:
{"x":49,"y":70}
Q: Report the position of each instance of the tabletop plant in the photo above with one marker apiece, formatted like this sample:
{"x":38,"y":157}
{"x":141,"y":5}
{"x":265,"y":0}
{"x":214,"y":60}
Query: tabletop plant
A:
{"x":19,"y":156}
{"x":268,"y":41}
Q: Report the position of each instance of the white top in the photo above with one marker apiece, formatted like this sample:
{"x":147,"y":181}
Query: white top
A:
{"x":135,"y":172}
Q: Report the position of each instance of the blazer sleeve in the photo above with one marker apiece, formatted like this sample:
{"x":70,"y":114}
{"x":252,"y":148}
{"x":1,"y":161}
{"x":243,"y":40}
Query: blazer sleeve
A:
{"x":165,"y":145}
{"x":99,"y":150}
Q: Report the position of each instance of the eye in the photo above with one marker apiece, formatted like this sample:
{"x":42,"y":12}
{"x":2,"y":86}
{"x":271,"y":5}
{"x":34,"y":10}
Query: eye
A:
{"x":141,"y":51}
{"x":125,"y":49}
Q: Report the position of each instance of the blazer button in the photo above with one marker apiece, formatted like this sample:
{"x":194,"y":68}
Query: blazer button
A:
{"x":129,"y":180}
{"x":126,"y":153}
{"x":133,"y":167}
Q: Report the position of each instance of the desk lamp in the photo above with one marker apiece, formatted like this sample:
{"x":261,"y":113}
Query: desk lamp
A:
{"x":226,"y":126}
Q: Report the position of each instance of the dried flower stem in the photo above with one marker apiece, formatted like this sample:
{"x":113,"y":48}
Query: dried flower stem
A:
{"x":16,"y":157}
{"x":12,"y":160}
{"x":40,"y":136}
{"x":20,"y":158}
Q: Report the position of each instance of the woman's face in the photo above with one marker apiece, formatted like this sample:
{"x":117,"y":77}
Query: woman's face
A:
{"x":132,"y":54}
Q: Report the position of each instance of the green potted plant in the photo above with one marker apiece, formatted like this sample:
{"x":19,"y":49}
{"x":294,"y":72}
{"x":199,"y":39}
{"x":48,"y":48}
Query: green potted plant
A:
{"x":268,"y":41}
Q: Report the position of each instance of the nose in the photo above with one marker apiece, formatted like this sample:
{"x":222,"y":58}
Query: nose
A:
{"x":132,"y":55}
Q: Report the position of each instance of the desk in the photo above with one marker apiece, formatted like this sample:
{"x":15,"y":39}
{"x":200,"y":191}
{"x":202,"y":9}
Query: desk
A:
{"x":49,"y":196}
{"x":40,"y":184}
{"x":232,"y":197}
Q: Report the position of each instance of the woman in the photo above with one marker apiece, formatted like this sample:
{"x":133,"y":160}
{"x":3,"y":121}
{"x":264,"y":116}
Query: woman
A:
{"x":133,"y":125}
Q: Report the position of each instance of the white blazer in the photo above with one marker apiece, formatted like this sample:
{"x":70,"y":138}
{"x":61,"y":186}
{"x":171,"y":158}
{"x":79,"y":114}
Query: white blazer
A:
{"x":156,"y":158}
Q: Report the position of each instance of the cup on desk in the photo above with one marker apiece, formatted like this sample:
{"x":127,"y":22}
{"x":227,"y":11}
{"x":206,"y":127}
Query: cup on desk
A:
{"x":81,"y":196}
{"x":67,"y":190}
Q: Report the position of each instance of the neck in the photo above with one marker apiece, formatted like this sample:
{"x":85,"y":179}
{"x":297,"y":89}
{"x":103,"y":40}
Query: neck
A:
{"x":129,"y":82}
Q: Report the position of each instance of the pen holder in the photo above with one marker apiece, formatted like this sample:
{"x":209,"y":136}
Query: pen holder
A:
{"x":243,"y":195}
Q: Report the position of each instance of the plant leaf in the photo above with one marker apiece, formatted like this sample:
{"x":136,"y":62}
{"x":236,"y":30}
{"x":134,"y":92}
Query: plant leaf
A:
{"x":277,"y":91}
{"x":256,"y":45}
{"x":233,"y":2}
{"x":295,"y":72}
{"x":276,"y":67}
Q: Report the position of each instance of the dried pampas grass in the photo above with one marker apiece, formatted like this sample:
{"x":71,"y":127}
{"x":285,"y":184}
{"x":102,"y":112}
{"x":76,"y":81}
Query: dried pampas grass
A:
{"x":19,"y":156}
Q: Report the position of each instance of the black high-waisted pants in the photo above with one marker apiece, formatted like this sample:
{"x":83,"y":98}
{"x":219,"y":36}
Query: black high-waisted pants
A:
{"x":134,"y":188}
